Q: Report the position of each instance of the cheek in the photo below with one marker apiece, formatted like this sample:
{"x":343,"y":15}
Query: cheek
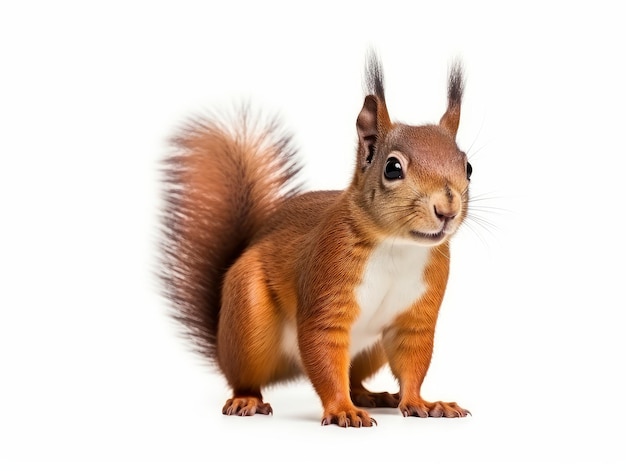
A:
{"x":399,"y":205}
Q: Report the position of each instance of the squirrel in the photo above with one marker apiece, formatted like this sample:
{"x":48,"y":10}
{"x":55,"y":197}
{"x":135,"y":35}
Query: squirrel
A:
{"x":271,"y":282}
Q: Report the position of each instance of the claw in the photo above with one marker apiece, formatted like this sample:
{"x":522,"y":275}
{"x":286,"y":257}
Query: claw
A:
{"x":349,"y":418}
{"x":246,"y":406}
{"x":437,"y":409}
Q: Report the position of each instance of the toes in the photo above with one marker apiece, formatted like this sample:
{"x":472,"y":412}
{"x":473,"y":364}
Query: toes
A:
{"x":234,"y":407}
{"x":243,"y":406}
{"x":339,"y":419}
{"x":453,"y":410}
{"x":229,"y":408}
{"x":414,"y":411}
{"x":265,"y":409}
{"x":437,"y":410}
{"x":434,"y":409}
{"x":351,"y":418}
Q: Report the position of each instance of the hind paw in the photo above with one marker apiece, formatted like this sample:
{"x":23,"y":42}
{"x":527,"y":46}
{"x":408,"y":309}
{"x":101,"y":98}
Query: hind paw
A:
{"x":365,"y":398}
{"x":244,"y":406}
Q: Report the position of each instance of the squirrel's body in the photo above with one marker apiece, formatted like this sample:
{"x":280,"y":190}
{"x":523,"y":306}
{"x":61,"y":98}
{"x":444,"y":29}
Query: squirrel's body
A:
{"x":274,"y":283}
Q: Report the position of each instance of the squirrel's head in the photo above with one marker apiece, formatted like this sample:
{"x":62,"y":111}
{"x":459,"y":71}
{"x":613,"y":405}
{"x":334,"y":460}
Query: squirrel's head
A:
{"x":412,"y":180}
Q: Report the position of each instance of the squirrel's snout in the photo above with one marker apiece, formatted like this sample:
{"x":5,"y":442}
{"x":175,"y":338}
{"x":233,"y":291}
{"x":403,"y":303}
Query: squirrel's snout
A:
{"x":446,"y":205}
{"x":445,"y":214}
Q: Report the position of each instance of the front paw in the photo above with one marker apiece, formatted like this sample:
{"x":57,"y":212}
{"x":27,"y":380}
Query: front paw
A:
{"x":350,"y":417}
{"x":433,"y":409}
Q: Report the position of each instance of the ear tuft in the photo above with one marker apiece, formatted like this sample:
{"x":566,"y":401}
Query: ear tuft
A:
{"x":455,"y":84}
{"x":373,"y":121}
{"x":374,"y":77}
{"x":450,"y":120}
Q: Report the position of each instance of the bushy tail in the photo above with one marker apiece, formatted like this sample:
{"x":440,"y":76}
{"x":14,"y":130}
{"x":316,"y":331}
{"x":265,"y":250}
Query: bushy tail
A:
{"x":223,"y":179}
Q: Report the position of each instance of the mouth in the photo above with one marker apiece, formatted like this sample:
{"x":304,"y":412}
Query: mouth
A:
{"x":432,"y":238}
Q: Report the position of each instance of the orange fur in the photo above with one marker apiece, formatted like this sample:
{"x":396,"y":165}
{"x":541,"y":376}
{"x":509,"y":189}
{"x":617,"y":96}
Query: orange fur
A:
{"x":265,"y":277}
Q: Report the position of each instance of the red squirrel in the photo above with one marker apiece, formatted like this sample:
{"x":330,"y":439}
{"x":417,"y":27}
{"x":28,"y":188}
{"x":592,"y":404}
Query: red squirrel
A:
{"x":272,"y":282}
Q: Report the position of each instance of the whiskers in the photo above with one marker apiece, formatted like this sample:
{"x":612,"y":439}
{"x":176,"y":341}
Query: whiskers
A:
{"x":407,"y":211}
{"x":481,"y":216}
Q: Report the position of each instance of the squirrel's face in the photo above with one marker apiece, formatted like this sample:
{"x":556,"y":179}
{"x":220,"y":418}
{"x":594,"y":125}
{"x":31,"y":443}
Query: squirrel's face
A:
{"x":416,"y":187}
{"x":413,"y":181}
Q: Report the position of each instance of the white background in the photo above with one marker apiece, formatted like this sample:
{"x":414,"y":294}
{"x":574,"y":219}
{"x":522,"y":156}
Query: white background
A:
{"x":531,"y":335}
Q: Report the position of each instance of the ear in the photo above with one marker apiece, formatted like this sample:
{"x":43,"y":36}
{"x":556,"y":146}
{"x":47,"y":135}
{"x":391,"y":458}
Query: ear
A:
{"x":450,"y":119}
{"x":372,"y":122}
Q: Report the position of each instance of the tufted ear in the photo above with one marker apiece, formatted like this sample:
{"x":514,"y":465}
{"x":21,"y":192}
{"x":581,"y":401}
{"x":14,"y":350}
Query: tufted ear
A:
{"x":373,"y":120}
{"x":450,"y":119}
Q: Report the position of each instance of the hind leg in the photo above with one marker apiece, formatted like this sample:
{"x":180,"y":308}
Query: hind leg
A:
{"x":362,"y":367}
{"x":249,"y":336}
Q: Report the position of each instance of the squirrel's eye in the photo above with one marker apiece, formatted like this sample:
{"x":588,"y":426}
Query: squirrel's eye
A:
{"x":468,"y":169}
{"x":393,"y":169}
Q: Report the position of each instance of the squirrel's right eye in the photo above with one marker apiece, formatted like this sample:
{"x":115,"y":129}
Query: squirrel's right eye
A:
{"x":393,"y":169}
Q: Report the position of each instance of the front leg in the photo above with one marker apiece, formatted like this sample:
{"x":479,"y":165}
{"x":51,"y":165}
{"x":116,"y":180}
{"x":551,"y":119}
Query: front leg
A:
{"x":408,"y":343}
{"x":326,"y":311}
{"x":409,"y":346}
{"x":325,"y":354}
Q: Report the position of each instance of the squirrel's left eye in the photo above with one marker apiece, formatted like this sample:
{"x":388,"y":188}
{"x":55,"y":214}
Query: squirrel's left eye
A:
{"x":468,"y":169}
{"x":393,"y":169}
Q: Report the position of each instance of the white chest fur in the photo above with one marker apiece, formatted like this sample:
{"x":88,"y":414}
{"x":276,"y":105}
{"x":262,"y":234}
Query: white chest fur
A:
{"x":392,"y":281}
